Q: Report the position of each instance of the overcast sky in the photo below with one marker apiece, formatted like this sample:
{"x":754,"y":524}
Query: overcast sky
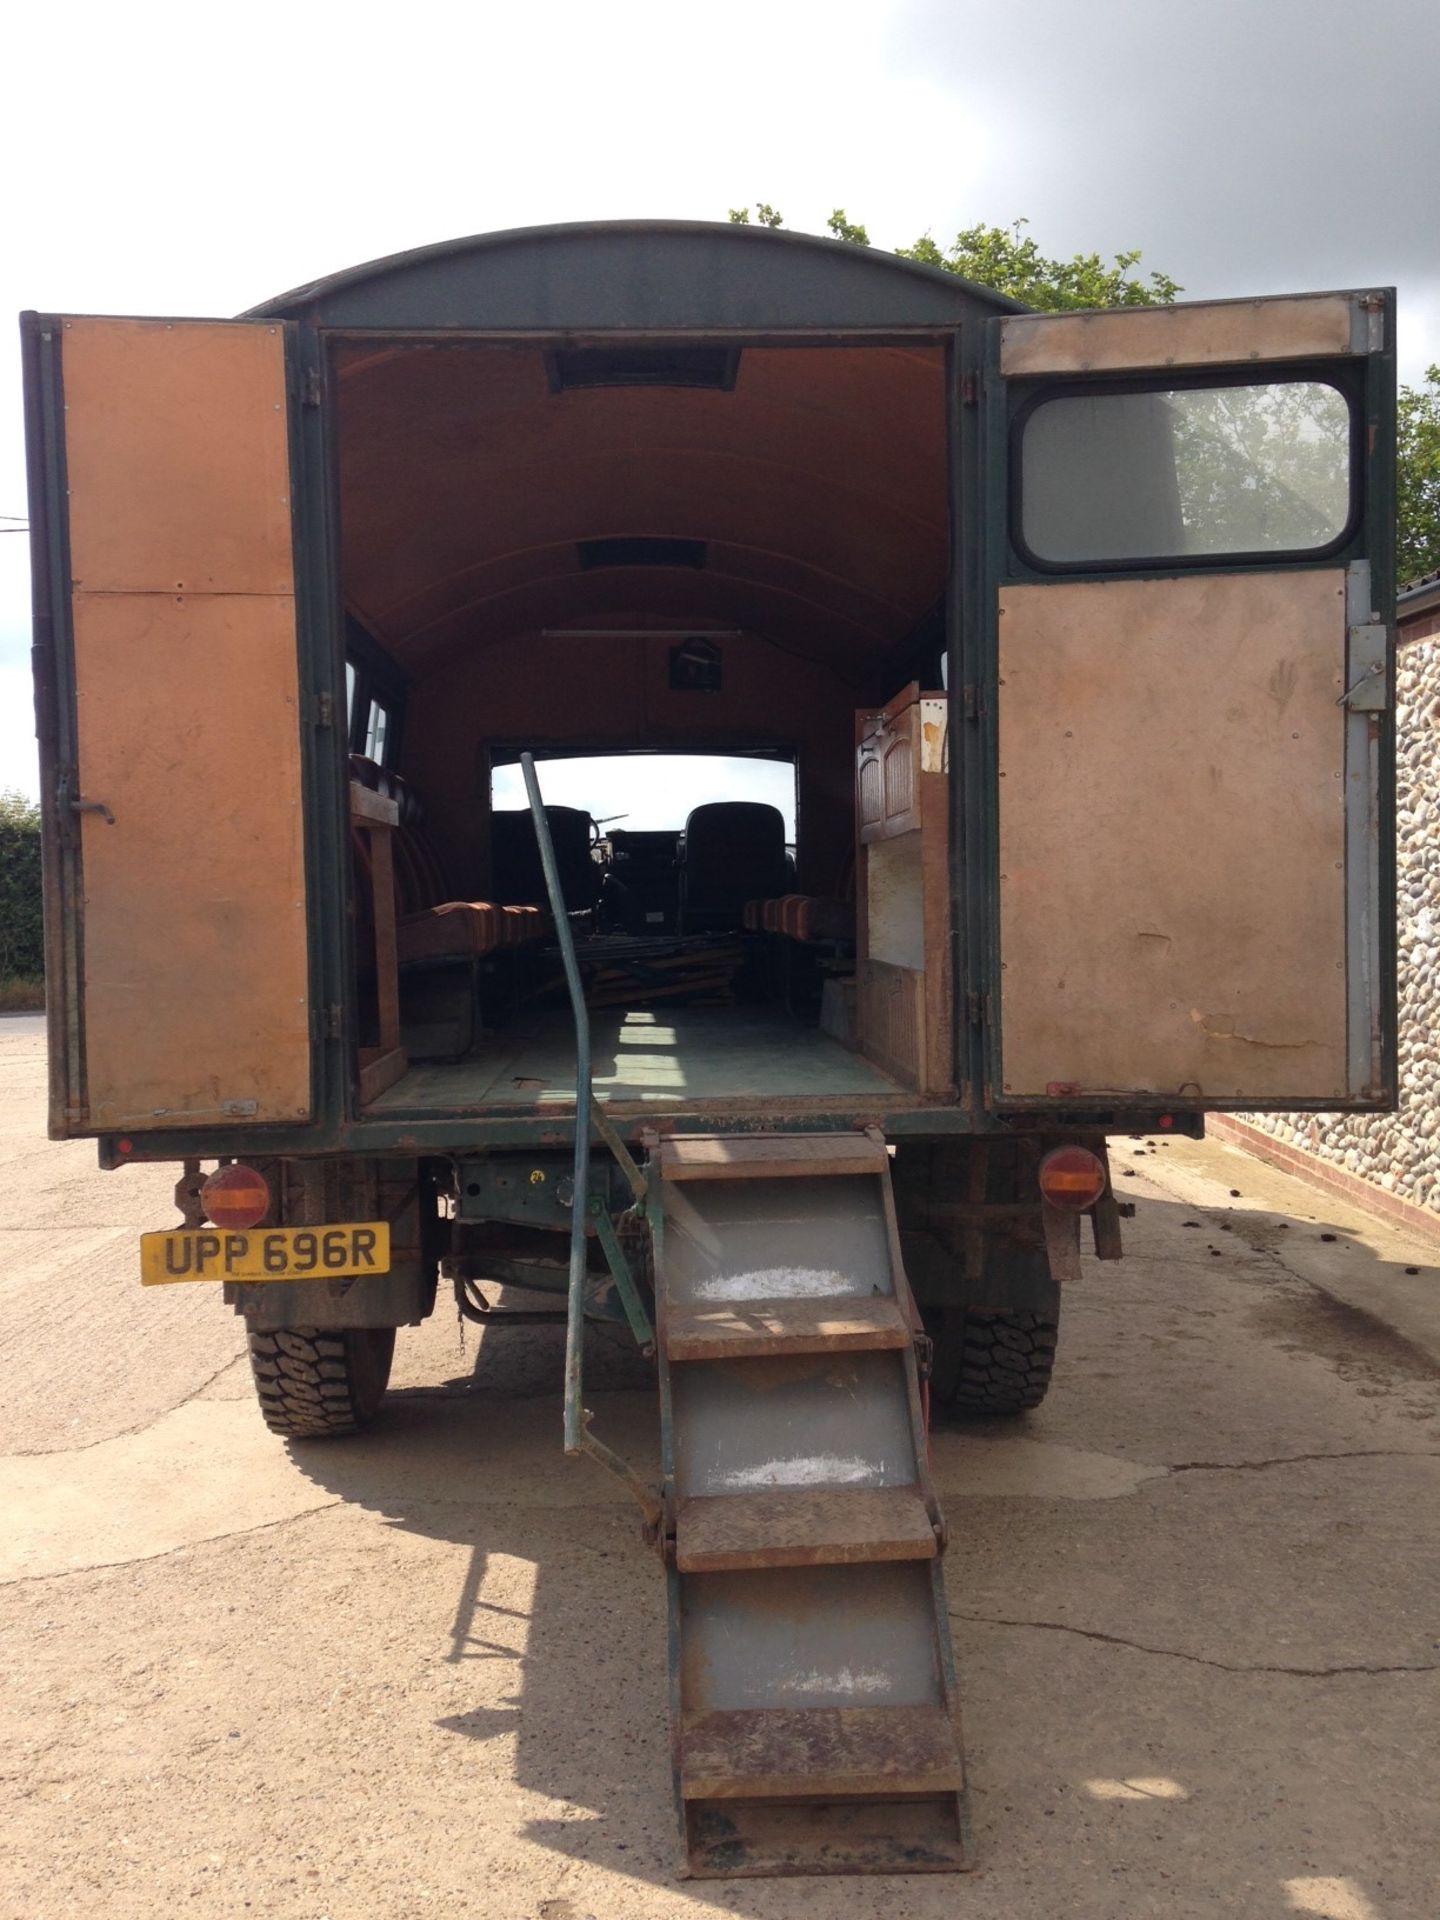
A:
{"x":191,"y":159}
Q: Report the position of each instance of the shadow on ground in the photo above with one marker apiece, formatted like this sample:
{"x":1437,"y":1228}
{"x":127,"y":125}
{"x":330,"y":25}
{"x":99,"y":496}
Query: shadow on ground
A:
{"x":1120,"y":1775}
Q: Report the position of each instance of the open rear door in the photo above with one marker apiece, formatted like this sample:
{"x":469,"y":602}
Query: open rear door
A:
{"x":168,"y":710}
{"x":1193,"y":606}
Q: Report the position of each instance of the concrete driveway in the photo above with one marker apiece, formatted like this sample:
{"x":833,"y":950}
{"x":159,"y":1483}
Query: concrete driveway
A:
{"x":422,"y":1672}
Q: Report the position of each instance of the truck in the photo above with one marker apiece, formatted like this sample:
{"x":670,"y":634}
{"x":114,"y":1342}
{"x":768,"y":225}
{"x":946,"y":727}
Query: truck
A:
{"x":1001,"y":705}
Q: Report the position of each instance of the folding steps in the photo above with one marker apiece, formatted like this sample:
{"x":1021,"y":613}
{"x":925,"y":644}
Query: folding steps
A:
{"x":813,"y":1692}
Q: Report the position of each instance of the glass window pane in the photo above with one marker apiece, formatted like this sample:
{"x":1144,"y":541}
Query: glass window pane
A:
{"x":376,"y":730}
{"x":652,"y":792}
{"x":349,"y":696}
{"x":1189,"y":474}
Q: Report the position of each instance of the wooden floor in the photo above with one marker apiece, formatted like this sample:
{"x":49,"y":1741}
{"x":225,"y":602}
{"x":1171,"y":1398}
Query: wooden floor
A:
{"x":662,"y":1058}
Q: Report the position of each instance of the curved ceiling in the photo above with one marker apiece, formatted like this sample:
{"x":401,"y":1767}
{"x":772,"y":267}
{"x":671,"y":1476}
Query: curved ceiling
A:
{"x":817,"y":483}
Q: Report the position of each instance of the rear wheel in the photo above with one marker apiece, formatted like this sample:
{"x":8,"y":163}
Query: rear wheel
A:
{"x":313,"y":1383}
{"x":993,"y":1363}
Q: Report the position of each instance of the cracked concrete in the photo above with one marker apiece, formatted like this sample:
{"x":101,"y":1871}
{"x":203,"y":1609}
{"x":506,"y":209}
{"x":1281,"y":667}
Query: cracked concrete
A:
{"x":1193,"y":1598}
{"x":1175,"y":1653}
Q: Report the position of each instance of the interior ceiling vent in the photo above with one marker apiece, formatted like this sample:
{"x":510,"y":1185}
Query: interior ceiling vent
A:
{"x":713,"y":367}
{"x":640,"y":550}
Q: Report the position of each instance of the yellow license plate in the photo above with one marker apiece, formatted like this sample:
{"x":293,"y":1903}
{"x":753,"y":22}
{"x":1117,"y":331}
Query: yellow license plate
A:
{"x":266,"y":1253}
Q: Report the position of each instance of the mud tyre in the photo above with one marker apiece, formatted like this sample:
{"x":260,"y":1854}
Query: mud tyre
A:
{"x":994,"y":1364}
{"x":315,"y":1384}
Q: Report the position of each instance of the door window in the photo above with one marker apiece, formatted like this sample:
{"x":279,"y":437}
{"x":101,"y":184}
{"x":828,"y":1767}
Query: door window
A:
{"x":1185,"y":474}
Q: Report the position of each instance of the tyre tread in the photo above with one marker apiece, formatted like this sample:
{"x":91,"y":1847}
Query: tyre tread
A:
{"x":1006,"y":1361}
{"x":313,"y":1386}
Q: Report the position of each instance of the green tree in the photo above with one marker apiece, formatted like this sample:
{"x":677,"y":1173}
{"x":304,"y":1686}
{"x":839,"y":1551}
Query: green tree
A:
{"x":1008,"y":261}
{"x":22,"y":942}
{"x":765,"y":216}
{"x":844,"y":229}
{"x":1417,"y":541}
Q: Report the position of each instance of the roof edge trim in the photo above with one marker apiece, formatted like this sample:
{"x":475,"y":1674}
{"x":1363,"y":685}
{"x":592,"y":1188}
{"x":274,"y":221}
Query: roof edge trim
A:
{"x":291,"y":305}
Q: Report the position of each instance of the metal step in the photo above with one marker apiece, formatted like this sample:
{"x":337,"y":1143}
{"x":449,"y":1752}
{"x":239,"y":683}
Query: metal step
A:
{"x":772,"y":1156}
{"x":750,"y":1839}
{"x":732,"y":1330}
{"x":720,"y":1534}
{"x":812,"y":1677}
{"x":826,"y":1753}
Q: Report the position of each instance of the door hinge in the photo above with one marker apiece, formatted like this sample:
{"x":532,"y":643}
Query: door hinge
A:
{"x":970,"y":388}
{"x":310,"y":387}
{"x":973,"y":1006}
{"x":970,"y":701}
{"x":324,"y":709}
{"x":334,"y":1020}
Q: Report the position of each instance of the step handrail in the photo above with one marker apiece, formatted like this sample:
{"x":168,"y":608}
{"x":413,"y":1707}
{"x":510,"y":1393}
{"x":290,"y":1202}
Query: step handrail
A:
{"x":578,"y":1438}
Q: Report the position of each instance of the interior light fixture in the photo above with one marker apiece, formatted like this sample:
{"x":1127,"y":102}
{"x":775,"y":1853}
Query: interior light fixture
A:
{"x":642,"y":633}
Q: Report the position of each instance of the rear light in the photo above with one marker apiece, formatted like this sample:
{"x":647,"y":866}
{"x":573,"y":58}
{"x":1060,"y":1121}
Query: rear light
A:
{"x":235,"y":1197}
{"x":1072,"y":1177}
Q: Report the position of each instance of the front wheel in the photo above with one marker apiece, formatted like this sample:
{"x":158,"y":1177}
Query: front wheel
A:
{"x":313,"y":1383}
{"x":993,"y":1363}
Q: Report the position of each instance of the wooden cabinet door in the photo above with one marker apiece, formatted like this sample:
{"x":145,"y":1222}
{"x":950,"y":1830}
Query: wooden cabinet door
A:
{"x":887,"y":768}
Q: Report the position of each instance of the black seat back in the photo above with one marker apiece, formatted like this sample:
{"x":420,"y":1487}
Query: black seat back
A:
{"x":732,"y":851}
{"x":518,"y":875}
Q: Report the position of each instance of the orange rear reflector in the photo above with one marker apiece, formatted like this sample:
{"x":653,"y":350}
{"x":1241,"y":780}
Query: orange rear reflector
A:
{"x":1072,"y":1177}
{"x":236,"y":1197}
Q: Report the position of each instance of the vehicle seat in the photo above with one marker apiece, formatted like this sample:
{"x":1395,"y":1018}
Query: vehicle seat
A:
{"x":731,"y":851}
{"x":519,"y":876}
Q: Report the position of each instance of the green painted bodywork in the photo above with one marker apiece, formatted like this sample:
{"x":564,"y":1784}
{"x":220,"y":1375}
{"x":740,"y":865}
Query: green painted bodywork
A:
{"x":660,"y":281}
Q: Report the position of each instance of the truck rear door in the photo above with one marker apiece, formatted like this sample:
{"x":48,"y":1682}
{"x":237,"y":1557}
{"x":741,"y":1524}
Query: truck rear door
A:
{"x":1189,"y":572}
{"x":168,"y":708}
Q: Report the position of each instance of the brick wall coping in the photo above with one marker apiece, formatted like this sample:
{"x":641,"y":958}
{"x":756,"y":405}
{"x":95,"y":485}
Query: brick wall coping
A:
{"x":1320,"y":1173}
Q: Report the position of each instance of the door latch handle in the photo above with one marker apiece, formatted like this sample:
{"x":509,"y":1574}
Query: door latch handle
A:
{"x":1369,"y":693}
{"x":93,"y":806}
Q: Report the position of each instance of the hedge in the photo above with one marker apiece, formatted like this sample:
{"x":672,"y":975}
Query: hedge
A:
{"x":22,"y":942}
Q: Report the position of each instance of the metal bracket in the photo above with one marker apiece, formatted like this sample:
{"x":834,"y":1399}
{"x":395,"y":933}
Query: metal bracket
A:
{"x":1370,"y":692}
{"x":624,"y":1279}
{"x":1367,"y":323}
{"x":187,"y":1195}
{"x":1062,"y":1243}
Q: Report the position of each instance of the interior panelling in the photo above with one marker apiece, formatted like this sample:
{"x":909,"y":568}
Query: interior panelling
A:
{"x":1172,"y":851}
{"x":196,"y":988}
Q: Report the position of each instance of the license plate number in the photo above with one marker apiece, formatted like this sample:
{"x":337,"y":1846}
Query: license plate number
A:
{"x":266,"y":1253}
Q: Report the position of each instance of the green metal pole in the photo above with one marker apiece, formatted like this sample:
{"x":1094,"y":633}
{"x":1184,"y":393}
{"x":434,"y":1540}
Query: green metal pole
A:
{"x":575,"y":1436}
